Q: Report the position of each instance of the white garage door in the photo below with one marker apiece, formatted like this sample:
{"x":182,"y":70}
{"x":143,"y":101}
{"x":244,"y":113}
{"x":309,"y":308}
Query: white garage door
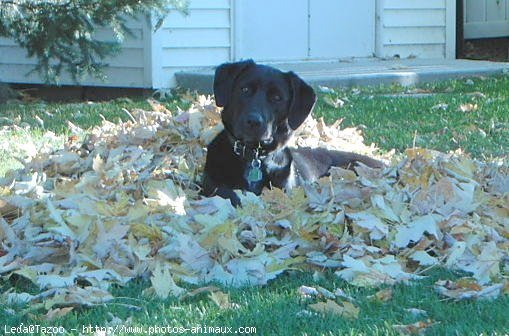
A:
{"x":285,"y":30}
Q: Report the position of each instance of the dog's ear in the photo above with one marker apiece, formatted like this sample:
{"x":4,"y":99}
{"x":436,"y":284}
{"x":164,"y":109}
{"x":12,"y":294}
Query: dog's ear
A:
{"x":225,"y":77}
{"x":303,"y":100}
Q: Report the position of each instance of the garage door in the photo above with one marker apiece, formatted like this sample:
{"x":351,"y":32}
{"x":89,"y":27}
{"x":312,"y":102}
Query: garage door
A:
{"x":288,"y":30}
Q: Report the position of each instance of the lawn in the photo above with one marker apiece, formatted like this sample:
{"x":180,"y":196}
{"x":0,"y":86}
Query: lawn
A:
{"x":277,"y":309}
{"x":472,"y":115}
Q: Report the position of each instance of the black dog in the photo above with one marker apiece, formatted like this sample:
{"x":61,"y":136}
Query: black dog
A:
{"x":262,"y":108}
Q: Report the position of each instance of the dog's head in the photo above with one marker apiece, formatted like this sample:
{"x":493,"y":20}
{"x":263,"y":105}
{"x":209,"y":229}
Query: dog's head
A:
{"x":262,"y":105}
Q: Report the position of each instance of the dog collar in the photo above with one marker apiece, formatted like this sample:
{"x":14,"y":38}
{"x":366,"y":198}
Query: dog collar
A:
{"x":245,"y":151}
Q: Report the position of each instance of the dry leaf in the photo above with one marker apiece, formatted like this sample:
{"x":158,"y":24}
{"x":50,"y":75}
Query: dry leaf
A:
{"x":346,"y":309}
{"x":122,"y":201}
{"x":222,"y":300}
{"x":469,"y":107}
{"x":383,"y":295}
{"x":306,"y":291}
{"x":417,"y":328}
{"x":57,"y":313}
{"x":416,"y":312}
{"x":163,"y":283}
{"x":468,"y":288}
{"x":198,"y":291}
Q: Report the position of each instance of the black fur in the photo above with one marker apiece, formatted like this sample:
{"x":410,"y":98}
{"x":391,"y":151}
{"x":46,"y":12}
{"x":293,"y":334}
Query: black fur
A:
{"x":262,"y":107}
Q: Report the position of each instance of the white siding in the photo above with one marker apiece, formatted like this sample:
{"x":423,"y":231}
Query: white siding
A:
{"x":201,"y":39}
{"x":149,"y":59}
{"x":127,"y":69}
{"x":416,"y":28}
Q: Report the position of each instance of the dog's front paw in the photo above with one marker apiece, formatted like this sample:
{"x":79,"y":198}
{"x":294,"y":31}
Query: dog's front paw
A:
{"x":235,"y":200}
{"x":228,"y":193}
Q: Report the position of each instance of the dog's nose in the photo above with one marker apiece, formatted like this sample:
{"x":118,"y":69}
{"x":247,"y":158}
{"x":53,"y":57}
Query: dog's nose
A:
{"x":254,"y":121}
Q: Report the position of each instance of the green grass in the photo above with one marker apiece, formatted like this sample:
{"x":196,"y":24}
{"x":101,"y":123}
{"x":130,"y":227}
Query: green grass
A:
{"x":274,"y":310}
{"x":390,"y":119}
{"x":35,"y":119}
{"x":56,"y":115}
{"x":400,"y":122}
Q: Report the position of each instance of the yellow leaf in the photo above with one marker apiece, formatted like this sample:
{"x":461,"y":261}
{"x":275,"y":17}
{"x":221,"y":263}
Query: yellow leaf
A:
{"x":144,"y":231}
{"x":163,"y":283}
{"x":198,"y":291}
{"x":285,"y":264}
{"x":27,"y":273}
{"x":57,"y":313}
{"x":417,"y":328}
{"x":469,"y":107}
{"x":414,"y":153}
{"x":222,"y":300}
{"x":347,"y":309}
{"x":383,"y":295}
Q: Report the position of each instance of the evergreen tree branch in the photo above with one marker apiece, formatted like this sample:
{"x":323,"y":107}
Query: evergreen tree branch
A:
{"x":60,"y":34}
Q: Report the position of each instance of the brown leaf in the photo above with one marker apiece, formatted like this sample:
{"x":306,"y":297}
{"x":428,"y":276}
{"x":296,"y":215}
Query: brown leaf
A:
{"x":198,"y":291}
{"x":383,"y":295}
{"x":417,"y":328}
{"x":468,"y":107}
{"x":468,"y":288}
{"x":222,"y":300}
{"x":57,"y":313}
{"x":346,"y":309}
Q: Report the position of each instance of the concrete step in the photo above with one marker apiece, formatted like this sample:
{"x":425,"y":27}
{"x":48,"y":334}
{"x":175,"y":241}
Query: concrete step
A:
{"x":364,"y":72}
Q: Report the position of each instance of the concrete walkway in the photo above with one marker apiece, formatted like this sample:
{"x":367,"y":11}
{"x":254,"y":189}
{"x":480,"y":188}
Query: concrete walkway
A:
{"x":363,"y":72}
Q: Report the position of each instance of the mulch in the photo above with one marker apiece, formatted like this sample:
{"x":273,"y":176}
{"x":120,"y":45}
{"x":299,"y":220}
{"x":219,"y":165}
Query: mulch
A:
{"x":492,"y":49}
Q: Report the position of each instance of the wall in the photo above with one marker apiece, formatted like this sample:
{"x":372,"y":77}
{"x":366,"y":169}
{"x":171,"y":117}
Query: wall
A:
{"x":126,"y":69}
{"x":149,"y":59}
{"x":201,"y":39}
{"x":416,"y":28}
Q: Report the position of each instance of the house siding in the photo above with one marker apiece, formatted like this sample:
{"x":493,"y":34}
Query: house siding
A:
{"x":124,"y":70}
{"x":416,"y":28}
{"x":201,"y":39}
{"x":204,"y":38}
{"x":148,"y":59}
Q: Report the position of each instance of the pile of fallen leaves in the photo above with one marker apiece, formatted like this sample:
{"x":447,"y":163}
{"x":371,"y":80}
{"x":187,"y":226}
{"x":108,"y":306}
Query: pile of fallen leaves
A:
{"x":124,"y":202}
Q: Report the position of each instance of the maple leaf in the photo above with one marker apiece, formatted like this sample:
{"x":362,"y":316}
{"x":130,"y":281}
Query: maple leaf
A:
{"x":467,"y":288}
{"x":413,"y":232}
{"x":417,"y":328}
{"x":193,"y":256}
{"x":307,"y":291}
{"x":487,"y":264}
{"x":57,"y":313}
{"x":374,"y":225}
{"x":74,"y":296}
{"x":222,"y":300}
{"x":382,"y":295}
{"x":163,"y":283}
{"x":346,"y":309}
{"x":468,"y":107}
{"x":423,"y":258}
{"x":167,"y":194}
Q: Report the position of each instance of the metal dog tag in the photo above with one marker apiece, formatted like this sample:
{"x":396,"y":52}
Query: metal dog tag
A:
{"x":255,"y":174}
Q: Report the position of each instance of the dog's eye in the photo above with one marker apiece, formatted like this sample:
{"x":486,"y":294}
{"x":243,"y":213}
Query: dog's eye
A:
{"x":276,"y":97}
{"x":244,"y":89}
